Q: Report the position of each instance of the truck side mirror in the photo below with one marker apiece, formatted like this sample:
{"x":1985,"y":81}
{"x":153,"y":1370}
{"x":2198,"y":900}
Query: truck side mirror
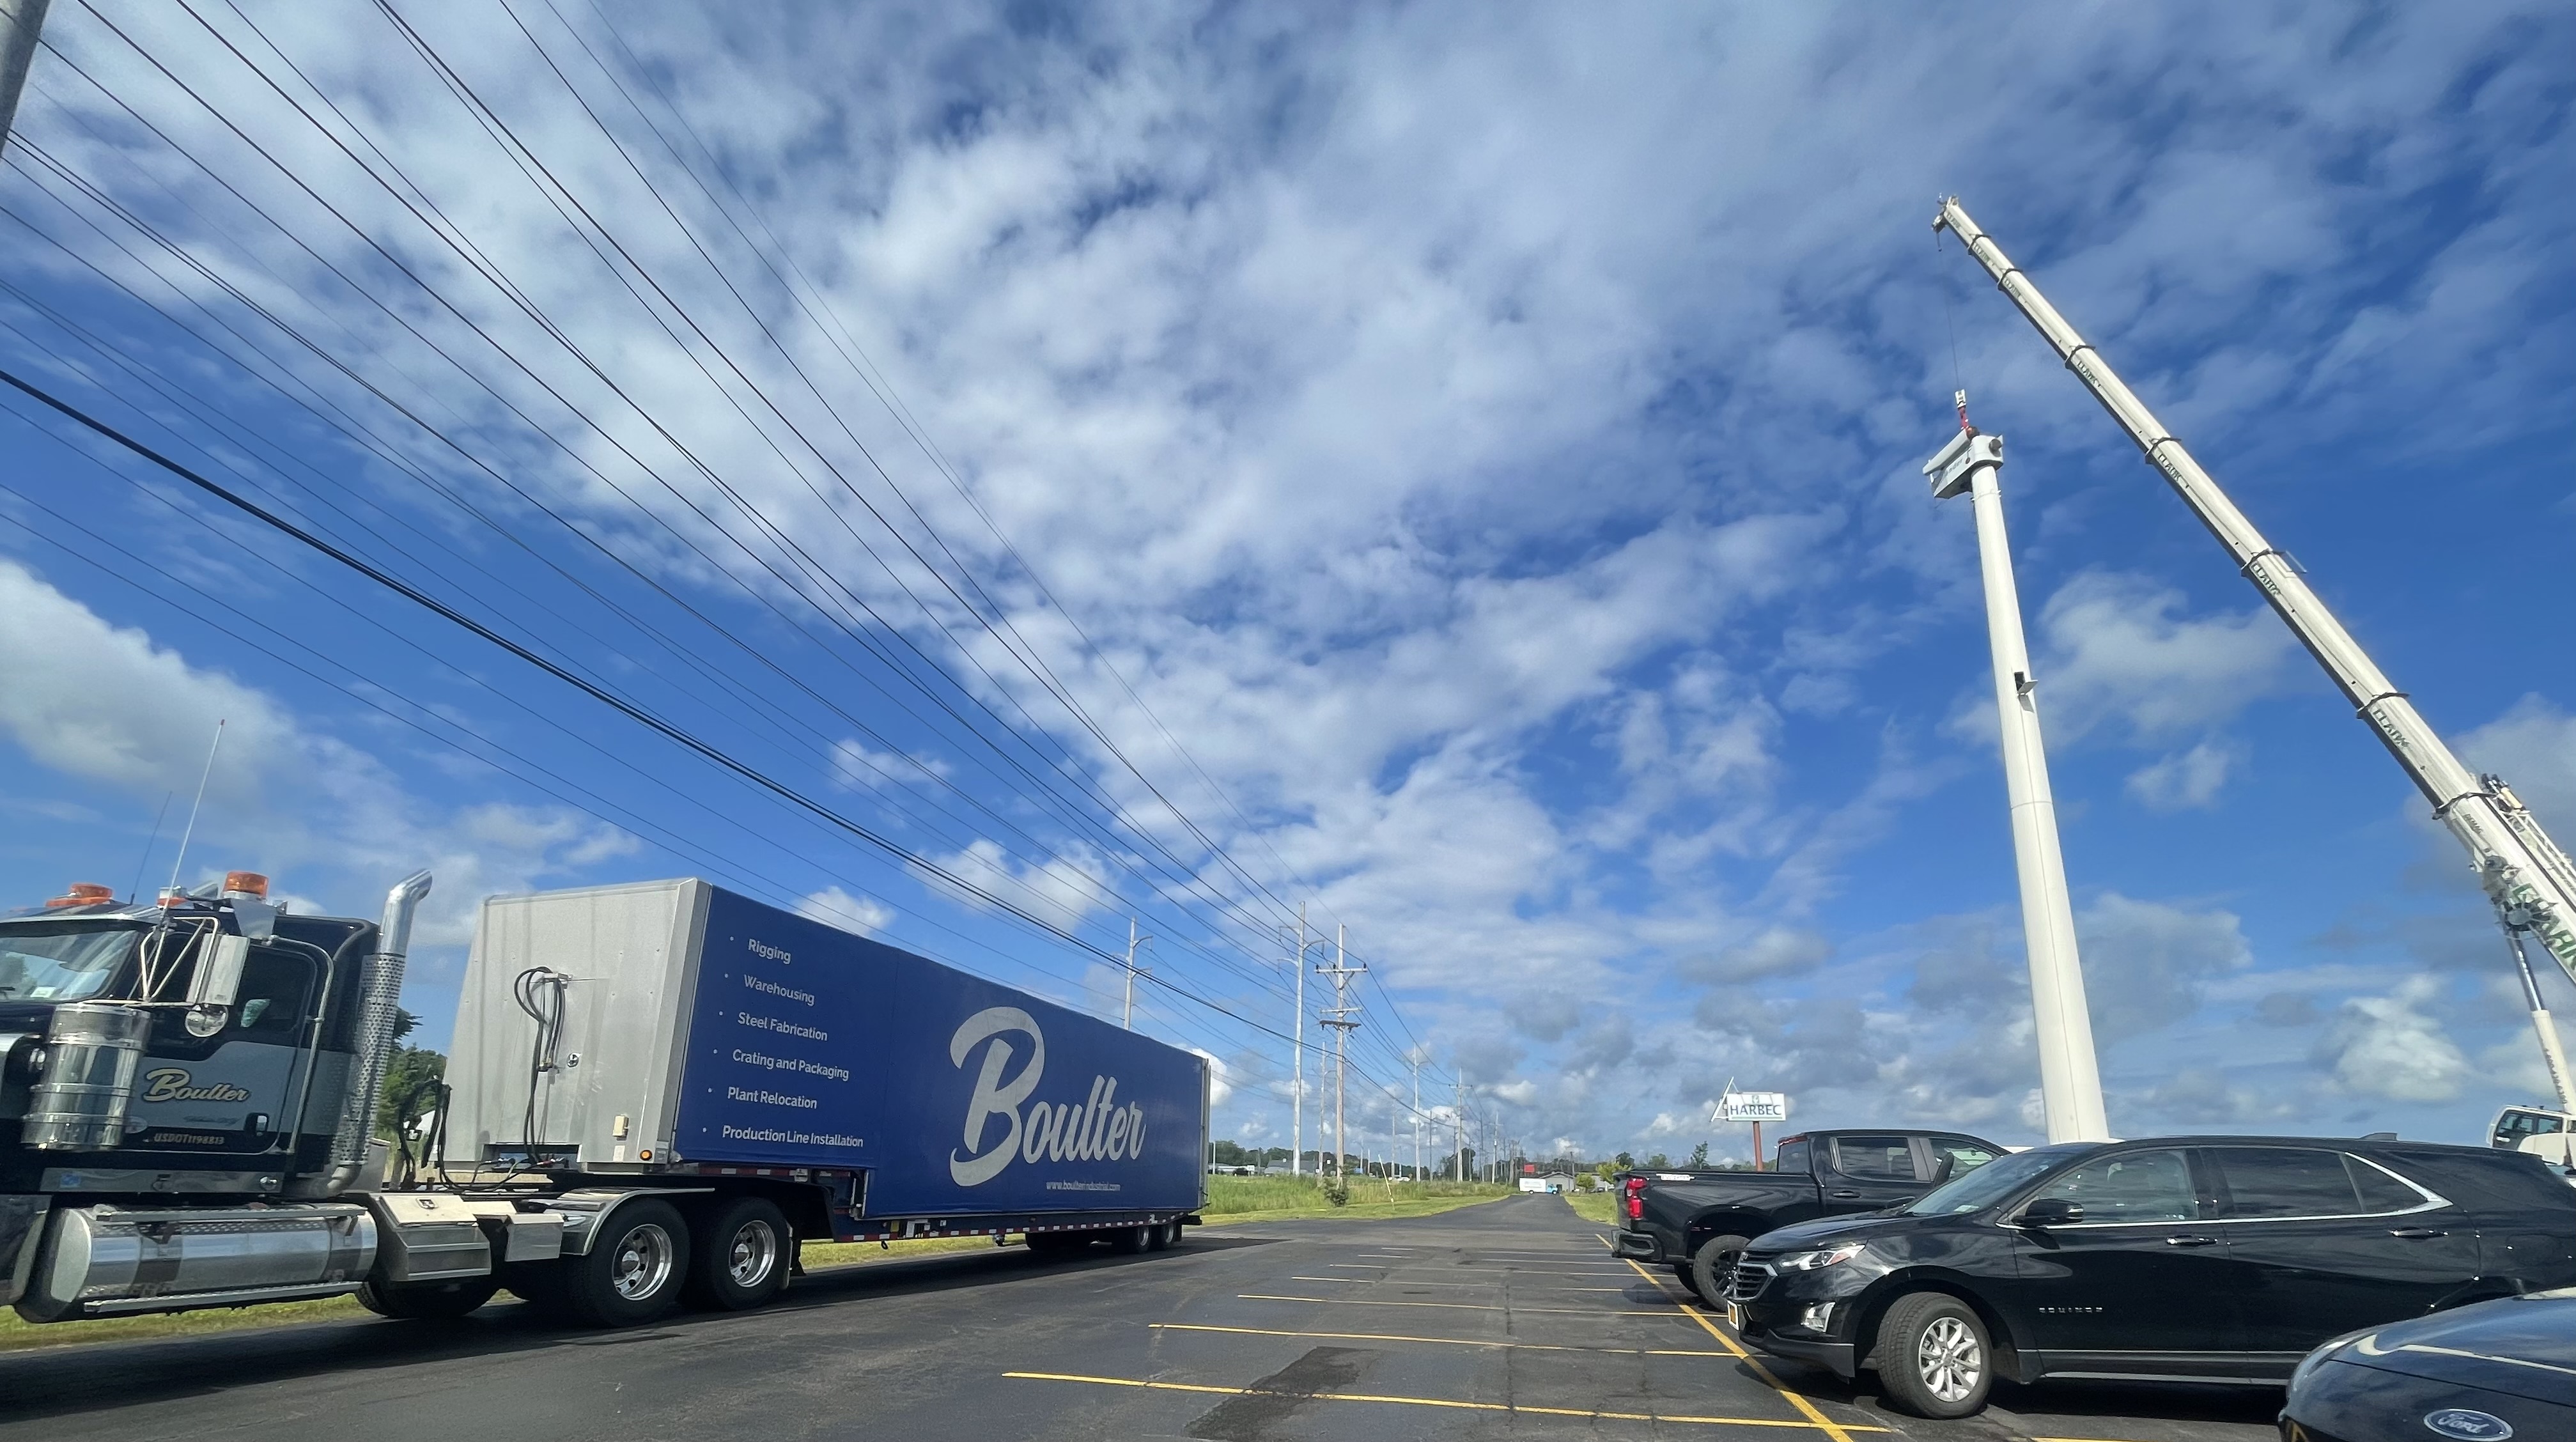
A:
{"x":2051,"y":1212}
{"x":217,"y":983}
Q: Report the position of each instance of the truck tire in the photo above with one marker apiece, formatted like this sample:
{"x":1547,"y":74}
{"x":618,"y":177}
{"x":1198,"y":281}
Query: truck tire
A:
{"x":635,"y":1268}
{"x":1933,"y":1356}
{"x":428,"y":1301}
{"x":741,"y":1254}
{"x":1710,"y":1266}
{"x":1170,"y":1238}
{"x":1128,"y":1241}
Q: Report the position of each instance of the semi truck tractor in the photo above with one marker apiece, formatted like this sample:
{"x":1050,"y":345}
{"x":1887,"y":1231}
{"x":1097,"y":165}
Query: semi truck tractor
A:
{"x":656,"y":1093}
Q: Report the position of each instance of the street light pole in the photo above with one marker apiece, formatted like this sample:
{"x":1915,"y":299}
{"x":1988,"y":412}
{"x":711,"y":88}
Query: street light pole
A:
{"x":1127,"y":1018}
{"x":2070,"y":1081}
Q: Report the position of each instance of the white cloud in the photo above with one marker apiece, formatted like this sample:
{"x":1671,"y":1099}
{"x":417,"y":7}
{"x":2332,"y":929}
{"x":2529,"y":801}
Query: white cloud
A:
{"x":2184,"y":780}
{"x":834,"y":906}
{"x":855,"y":764}
{"x":2120,"y":655}
{"x":109,"y":705}
{"x":1060,"y":890}
{"x":2533,"y":747}
{"x":2148,"y":963}
{"x":2385,"y":1046}
{"x":1220,"y":1077}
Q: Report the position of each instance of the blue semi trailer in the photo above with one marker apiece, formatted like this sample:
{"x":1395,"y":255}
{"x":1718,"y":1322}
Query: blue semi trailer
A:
{"x":656,"y":1093}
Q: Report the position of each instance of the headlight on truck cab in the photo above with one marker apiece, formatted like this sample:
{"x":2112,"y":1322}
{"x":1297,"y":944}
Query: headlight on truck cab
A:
{"x":1818,"y":1260}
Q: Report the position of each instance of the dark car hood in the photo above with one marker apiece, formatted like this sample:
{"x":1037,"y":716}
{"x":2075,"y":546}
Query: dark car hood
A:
{"x":2519,"y":1346}
{"x":1825,"y":1231}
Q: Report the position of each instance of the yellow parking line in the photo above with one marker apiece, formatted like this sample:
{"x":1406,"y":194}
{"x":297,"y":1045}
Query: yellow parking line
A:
{"x":1373,"y":1281}
{"x":1460,"y":1306}
{"x":1831,"y":1429}
{"x":1445,"y":1341}
{"x":1578,"y":1413}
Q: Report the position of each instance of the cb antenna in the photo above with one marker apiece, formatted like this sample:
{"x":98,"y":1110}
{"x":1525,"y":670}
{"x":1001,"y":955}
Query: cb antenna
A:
{"x":193,"y":807}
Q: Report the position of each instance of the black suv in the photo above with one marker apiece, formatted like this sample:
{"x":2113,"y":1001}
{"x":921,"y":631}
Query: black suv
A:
{"x":2213,"y":1258}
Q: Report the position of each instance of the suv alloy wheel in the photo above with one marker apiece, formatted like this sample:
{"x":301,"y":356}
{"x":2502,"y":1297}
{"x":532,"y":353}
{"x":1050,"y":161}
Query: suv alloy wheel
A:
{"x":1933,"y":1357}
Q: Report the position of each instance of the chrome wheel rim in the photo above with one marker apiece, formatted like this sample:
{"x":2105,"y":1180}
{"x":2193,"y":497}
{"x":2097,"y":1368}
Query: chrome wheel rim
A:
{"x":754,"y":1254}
{"x":643,"y":1263}
{"x":1948,"y":1359}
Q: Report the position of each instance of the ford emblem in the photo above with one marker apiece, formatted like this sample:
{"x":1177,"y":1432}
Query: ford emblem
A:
{"x":2469,"y":1426}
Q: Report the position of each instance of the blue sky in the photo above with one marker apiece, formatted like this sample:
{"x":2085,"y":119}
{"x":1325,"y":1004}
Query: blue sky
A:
{"x":1463,"y":461}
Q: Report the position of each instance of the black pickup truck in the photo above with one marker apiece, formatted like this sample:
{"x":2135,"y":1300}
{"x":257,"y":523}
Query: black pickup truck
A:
{"x":1700,"y":1221}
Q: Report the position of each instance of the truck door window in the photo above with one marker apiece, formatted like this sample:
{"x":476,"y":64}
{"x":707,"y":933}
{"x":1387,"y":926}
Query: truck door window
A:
{"x":2130,"y":1187}
{"x":2527,"y":1124}
{"x":274,"y":987}
{"x":1965,"y":1156}
{"x":1793,"y":1158}
{"x":1878,"y":1159}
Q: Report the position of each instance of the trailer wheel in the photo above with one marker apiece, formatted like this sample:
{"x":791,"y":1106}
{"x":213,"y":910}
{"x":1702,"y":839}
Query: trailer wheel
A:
{"x":635,"y":1269}
{"x":742,"y":1256}
{"x":428,"y":1301}
{"x":1166,"y":1237}
{"x":1128,"y":1241}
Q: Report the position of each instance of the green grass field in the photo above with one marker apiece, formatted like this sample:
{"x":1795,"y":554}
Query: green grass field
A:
{"x":1231,"y":1200}
{"x":1595,"y":1206}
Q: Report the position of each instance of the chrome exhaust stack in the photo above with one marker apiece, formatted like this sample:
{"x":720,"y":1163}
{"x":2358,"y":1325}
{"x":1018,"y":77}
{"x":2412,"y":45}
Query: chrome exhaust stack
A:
{"x":376,"y":1008}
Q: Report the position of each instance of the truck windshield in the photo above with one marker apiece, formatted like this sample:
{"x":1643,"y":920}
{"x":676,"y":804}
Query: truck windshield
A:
{"x":1994,"y":1181}
{"x":65,"y":964}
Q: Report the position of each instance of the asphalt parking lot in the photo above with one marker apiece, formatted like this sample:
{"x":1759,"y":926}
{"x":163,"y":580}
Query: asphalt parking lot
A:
{"x":1509,"y":1319}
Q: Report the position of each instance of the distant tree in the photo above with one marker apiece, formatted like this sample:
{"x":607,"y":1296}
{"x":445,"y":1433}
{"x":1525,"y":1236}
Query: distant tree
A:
{"x":404,"y":1023}
{"x":1624,"y":1162}
{"x":1658,"y":1162}
{"x":1699,"y":1155}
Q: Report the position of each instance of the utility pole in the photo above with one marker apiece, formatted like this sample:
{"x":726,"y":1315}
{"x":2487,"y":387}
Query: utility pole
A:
{"x":1128,"y":1018}
{"x":1342,"y":1019}
{"x":1417,"y":1114}
{"x":21,"y":21}
{"x":1458,"y":1129}
{"x":1297,"y":1063}
{"x":2070,"y":1082}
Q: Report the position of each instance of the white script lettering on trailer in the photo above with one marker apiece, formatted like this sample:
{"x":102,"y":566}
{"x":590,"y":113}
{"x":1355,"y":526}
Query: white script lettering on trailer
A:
{"x":1094,"y":1129}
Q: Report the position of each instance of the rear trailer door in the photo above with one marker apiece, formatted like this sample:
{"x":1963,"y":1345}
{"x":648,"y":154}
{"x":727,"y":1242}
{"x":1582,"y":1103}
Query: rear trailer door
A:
{"x":812,"y":1046}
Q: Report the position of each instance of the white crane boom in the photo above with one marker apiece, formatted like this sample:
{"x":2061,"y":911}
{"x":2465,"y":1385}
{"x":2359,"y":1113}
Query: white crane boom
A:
{"x":2529,"y":878}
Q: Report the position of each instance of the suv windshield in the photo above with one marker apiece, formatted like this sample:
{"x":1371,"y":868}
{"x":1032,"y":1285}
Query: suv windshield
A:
{"x":1994,"y":1181}
{"x":70,"y":964}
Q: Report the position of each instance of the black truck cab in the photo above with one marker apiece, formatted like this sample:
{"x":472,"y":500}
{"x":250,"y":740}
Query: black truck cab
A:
{"x":1698,"y":1222}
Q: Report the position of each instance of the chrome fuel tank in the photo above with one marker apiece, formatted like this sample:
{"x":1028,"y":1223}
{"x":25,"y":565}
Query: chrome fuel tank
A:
{"x":103,"y":1260}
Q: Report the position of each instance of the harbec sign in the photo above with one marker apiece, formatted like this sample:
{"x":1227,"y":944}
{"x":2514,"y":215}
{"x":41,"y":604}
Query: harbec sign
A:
{"x":1004,"y":1126}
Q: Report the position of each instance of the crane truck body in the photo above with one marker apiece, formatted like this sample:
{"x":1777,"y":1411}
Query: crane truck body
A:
{"x":657,"y":1092}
